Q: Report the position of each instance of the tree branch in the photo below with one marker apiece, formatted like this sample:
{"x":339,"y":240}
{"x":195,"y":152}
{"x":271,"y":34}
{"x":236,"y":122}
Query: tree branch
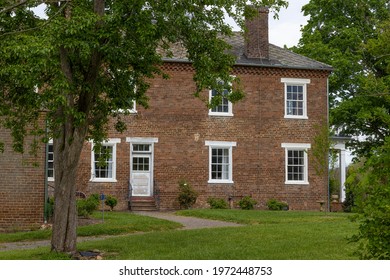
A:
{"x":10,"y":8}
{"x":38,"y":27}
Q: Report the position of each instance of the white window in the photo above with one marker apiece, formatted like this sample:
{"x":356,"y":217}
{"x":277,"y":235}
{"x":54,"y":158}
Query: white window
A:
{"x":50,"y":161}
{"x":133,"y":110}
{"x":104,"y":170}
{"x":295,"y":96}
{"x":225,"y":108}
{"x":296,"y":163}
{"x":220,"y":161}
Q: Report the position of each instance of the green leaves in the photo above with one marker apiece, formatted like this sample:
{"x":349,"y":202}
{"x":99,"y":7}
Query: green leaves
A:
{"x":353,"y":37}
{"x":88,"y":65}
{"x":372,"y":198}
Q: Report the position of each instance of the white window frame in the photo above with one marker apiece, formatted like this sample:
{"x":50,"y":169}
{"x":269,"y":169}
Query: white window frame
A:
{"x":297,"y":147}
{"x":131,"y":111}
{"x":110,"y":142}
{"x":229,"y":113}
{"x":221,"y":145}
{"x":50,"y":179}
{"x":295,"y":82}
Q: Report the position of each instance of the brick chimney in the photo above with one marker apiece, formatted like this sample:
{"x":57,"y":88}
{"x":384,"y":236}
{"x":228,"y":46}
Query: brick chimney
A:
{"x":257,"y":42}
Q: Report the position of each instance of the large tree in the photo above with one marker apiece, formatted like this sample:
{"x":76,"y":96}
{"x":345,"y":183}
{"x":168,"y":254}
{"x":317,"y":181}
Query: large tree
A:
{"x":354,"y":37}
{"x":75,"y":67}
{"x":344,"y":34}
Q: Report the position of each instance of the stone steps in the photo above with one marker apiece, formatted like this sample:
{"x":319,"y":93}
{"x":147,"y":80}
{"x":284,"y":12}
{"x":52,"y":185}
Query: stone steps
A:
{"x":142,"y":204}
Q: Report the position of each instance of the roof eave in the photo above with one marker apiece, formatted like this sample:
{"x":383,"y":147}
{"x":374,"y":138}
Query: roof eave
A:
{"x":329,"y":69}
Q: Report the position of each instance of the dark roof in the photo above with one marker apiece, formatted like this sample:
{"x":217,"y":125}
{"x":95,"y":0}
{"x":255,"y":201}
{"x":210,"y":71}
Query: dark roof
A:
{"x":278,"y":57}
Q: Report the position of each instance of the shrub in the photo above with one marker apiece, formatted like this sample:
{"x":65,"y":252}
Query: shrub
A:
{"x":217,"y":203}
{"x":95,"y":196}
{"x":49,"y":210}
{"x":187,"y":196}
{"x":85,"y":207}
{"x":247,"y":203}
{"x":111,"y":201}
{"x":274,"y":204}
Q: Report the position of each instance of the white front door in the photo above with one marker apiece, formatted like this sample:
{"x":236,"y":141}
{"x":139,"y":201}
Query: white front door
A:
{"x":141,"y":176}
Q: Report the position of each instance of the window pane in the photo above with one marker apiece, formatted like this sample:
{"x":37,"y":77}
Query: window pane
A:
{"x":220,"y":164}
{"x":295,"y":165}
{"x":103,"y":169}
{"x":140,"y":164}
{"x":50,"y":161}
{"x":294,"y":100}
{"x":141,"y":147}
{"x":223,"y":107}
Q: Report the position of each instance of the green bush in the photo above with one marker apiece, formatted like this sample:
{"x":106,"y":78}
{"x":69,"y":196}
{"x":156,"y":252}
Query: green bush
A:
{"x":274,"y":204}
{"x":247,"y":203}
{"x":85,"y":207}
{"x":217,"y":203}
{"x":187,"y":196}
{"x":111,"y":201}
{"x":95,"y":197}
{"x":49,"y":210}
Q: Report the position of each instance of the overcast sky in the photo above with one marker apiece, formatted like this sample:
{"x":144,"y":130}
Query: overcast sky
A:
{"x":286,"y":29}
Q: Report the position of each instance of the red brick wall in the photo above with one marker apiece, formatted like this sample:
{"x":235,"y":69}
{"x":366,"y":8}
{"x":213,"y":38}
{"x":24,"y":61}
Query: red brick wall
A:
{"x":21,"y":188}
{"x":182,"y":125}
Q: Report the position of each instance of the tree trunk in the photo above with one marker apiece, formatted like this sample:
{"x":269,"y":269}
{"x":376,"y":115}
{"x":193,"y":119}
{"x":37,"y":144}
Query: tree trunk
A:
{"x":67,"y":150}
{"x":68,"y":143}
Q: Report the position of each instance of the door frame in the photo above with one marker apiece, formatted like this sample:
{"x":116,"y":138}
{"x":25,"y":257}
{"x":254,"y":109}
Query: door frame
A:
{"x":147,"y":141}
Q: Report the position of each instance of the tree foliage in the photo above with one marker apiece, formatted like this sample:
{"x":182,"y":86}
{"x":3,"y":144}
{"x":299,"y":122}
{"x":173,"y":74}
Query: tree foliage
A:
{"x":86,"y":59}
{"x":371,"y":195}
{"x":354,"y":37}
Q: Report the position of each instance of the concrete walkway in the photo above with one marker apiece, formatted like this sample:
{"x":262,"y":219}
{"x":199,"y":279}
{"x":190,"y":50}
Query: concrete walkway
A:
{"x":187,"y":222}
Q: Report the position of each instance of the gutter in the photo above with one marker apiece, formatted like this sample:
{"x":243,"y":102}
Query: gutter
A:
{"x":279,"y":66}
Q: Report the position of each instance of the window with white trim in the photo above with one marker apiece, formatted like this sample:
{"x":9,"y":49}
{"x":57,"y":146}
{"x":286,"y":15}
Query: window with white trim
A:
{"x":296,"y":163}
{"x":133,"y":109}
{"x":104,"y":170}
{"x":220,"y":161}
{"x":50,"y":161}
{"x":225,"y":108}
{"x":295,"y":98}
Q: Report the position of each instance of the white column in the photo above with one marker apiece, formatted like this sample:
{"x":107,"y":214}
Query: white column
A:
{"x":342,"y":175}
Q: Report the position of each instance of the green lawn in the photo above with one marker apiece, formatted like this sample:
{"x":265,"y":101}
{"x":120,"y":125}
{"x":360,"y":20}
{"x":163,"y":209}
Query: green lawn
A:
{"x":264,"y":235}
{"x":115,"y":223}
{"x":265,"y":217}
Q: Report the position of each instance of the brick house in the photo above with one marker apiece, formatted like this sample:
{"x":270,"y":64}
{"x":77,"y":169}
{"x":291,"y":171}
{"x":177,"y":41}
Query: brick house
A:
{"x":257,"y":146}
{"x":22,"y":191}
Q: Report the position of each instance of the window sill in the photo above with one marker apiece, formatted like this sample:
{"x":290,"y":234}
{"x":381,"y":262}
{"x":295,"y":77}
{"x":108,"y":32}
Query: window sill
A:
{"x":296,"y":183}
{"x":220,"y":182}
{"x":103,"y":180}
{"x":296,"y":117}
{"x":130,"y":111}
{"x":215,"y":114}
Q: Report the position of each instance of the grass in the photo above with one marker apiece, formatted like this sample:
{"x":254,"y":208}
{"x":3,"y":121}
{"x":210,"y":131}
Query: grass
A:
{"x":115,"y":223}
{"x":264,"y":217}
{"x":265,"y":235}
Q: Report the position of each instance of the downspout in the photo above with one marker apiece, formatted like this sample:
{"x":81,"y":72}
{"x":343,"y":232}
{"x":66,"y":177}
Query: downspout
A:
{"x":45,"y":214}
{"x":327,"y":105}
